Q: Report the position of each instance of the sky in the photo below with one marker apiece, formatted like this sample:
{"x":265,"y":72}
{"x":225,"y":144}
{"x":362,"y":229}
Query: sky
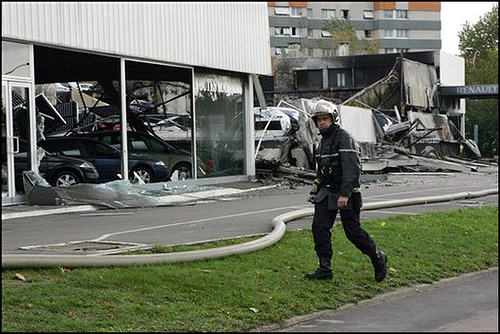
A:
{"x":454,"y":15}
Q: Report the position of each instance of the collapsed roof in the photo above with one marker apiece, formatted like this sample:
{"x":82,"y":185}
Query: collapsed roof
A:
{"x":396,"y":122}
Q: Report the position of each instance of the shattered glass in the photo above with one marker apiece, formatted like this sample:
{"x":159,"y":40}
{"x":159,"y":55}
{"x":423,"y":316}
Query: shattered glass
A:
{"x":113,"y":194}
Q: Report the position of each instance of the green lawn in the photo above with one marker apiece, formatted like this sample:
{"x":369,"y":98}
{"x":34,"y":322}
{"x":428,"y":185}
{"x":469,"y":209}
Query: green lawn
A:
{"x":243,"y":292}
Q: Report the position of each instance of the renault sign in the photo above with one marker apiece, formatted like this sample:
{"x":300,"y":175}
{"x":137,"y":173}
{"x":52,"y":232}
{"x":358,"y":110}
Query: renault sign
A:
{"x":472,"y":91}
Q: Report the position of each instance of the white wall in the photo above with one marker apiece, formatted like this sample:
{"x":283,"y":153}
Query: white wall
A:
{"x":452,"y":73}
{"x":232,"y":36}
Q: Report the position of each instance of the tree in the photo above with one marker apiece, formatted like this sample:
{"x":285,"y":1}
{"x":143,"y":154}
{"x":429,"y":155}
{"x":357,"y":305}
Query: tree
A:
{"x":478,"y":45}
{"x":343,"y":33}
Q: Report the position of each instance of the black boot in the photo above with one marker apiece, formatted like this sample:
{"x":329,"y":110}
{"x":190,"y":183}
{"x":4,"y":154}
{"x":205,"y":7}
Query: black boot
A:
{"x":324,"y":271}
{"x":379,"y":262}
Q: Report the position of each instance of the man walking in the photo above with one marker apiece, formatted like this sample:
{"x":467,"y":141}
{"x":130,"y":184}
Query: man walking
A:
{"x":335,"y":189}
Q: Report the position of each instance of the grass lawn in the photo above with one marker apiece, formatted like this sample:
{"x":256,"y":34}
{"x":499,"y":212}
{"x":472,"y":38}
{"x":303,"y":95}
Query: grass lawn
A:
{"x":243,"y":292}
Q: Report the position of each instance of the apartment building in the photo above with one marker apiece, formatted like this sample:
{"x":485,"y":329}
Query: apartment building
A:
{"x":296,"y":28}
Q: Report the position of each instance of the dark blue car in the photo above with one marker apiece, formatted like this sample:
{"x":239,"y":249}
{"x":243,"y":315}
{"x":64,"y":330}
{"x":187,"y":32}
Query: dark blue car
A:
{"x":107,"y":159}
{"x":58,"y":171}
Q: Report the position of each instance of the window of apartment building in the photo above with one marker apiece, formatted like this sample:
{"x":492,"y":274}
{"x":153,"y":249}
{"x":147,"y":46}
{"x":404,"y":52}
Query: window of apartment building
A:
{"x":326,"y":33}
{"x":345,"y":14}
{"x":398,"y":14}
{"x":338,"y":78}
{"x":341,"y":82}
{"x":402,"y":33}
{"x":294,"y":49}
{"x":282,"y":11}
{"x":401,"y":14}
{"x":310,"y":52}
{"x":308,"y":79}
{"x":295,"y":11}
{"x":282,"y":31}
{"x":368,"y":14}
{"x":310,"y":33}
{"x":368,"y":34}
{"x":281,"y":51}
{"x":328,"y":52}
{"x":398,"y":33}
{"x":286,"y":31}
{"x":328,"y":14}
{"x":343,"y":49}
{"x":309,"y":13}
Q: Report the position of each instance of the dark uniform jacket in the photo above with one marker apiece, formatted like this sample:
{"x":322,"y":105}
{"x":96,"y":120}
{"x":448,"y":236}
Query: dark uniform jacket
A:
{"x":338,"y":166}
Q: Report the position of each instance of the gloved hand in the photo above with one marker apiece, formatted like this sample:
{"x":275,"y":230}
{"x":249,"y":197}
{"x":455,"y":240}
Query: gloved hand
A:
{"x":314,"y":190}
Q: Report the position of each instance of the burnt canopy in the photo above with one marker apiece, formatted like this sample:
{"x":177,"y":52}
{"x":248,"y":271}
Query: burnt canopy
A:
{"x":57,"y":65}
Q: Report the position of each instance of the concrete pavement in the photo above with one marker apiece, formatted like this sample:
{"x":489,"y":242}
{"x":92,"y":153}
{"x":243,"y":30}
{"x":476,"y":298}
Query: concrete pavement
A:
{"x":467,"y":303}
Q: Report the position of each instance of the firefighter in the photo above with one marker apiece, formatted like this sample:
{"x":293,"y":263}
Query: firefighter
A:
{"x":337,"y":189}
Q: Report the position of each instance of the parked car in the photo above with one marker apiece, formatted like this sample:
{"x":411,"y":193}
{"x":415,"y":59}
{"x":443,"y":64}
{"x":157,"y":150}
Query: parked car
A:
{"x":107,"y":158}
{"x":84,"y":86}
{"x":58,"y":171}
{"x":271,"y":124}
{"x":143,"y":106}
{"x":176,"y":158}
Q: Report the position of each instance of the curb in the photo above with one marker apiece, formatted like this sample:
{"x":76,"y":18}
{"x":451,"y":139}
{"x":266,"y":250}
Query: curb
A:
{"x":377,"y":299}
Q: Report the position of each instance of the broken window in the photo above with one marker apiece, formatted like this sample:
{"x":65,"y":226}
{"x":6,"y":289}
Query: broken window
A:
{"x":15,"y":59}
{"x":220,"y":125}
{"x":309,"y":79}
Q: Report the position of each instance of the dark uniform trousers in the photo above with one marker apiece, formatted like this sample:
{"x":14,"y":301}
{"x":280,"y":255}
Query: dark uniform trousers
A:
{"x":324,"y":218}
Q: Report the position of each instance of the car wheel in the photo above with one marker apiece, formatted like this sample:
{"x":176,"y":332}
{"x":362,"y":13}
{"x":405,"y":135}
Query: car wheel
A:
{"x":65,"y":179}
{"x":144,"y":173}
{"x":184,"y":170}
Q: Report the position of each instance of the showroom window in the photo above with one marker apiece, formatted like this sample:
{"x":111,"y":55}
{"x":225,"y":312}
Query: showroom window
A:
{"x":220,"y":125}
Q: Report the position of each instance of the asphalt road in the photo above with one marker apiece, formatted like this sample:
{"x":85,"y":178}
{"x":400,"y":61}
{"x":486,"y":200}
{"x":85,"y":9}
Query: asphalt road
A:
{"x":467,"y":303}
{"x":227,"y":217}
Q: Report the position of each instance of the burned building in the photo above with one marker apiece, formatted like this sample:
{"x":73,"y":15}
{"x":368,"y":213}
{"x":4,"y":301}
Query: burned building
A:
{"x":391,"y":104}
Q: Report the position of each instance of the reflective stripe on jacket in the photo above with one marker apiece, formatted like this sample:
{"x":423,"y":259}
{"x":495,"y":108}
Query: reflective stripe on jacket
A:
{"x":337,"y":161}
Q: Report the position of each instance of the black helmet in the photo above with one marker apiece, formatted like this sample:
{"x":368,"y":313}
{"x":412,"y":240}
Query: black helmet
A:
{"x":323,"y":107}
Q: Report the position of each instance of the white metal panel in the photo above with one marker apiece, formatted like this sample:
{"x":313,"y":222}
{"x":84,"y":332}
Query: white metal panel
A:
{"x":231,"y":36}
{"x":358,"y":122}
